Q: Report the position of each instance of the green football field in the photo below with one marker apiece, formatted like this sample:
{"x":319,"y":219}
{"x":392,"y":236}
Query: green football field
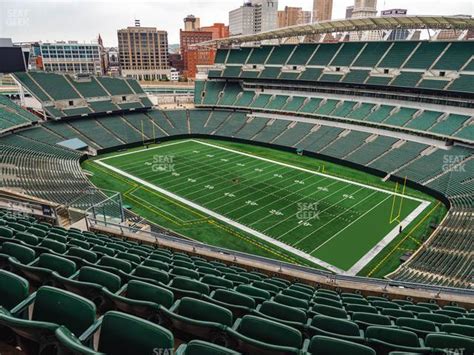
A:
{"x":331,"y":221}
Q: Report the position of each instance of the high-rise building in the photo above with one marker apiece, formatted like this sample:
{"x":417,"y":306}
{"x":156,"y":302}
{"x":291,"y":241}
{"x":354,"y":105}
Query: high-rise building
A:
{"x":254,"y":16}
{"x":192,"y":23}
{"x":187,"y":39}
{"x":143,"y":53}
{"x":291,"y":16}
{"x":364,"y":8}
{"x":322,"y":10}
{"x":194,"y":56}
{"x":219,"y":30}
{"x":349,"y":11}
{"x":69,"y":57}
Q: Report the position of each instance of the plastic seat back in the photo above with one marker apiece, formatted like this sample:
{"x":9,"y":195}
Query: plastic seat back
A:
{"x":204,"y":311}
{"x":323,"y":345}
{"x":135,"y":335}
{"x":13,"y":289}
{"x":269,"y":332}
{"x":64,"y":308}
{"x":62,"y":266}
{"x":103,"y":278}
{"x":144,"y":291}
{"x":22,"y":253}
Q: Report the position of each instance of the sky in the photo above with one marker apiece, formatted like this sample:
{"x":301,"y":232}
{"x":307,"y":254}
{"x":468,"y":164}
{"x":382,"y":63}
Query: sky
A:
{"x":83,"y":20}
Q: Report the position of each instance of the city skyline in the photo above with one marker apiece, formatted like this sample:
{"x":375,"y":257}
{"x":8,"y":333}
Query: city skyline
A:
{"x":18,"y":18}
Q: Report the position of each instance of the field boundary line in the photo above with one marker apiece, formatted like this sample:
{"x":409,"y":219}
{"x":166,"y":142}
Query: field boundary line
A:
{"x":312,"y":171}
{"x":161,"y":145}
{"x":225,"y":219}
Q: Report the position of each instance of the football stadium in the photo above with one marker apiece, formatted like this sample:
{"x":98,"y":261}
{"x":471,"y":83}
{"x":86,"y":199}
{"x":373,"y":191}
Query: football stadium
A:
{"x":316,"y":198}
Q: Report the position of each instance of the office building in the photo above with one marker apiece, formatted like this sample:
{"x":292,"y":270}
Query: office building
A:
{"x":349,"y":11}
{"x":143,"y":53}
{"x":254,"y":16}
{"x":291,"y":16}
{"x":192,"y":23}
{"x":364,"y":8}
{"x":322,"y":10}
{"x":69,"y":57}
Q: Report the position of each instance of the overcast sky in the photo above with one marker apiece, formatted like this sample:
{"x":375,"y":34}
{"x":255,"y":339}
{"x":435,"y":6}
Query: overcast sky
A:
{"x":83,"y":20}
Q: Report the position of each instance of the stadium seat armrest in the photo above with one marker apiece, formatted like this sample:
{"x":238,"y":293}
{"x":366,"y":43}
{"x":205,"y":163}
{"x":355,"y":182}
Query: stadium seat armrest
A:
{"x":68,"y":340}
{"x":305,"y":346}
{"x":181,"y":349}
{"x":236,"y":324}
{"x":22,"y":306}
{"x":89,"y":332}
{"x":121,"y":290}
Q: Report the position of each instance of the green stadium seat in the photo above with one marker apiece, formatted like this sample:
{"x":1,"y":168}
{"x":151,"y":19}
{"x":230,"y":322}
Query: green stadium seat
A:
{"x":238,"y":303}
{"x":386,"y":339}
{"x":416,"y":309}
{"x":421,"y":327}
{"x":137,"y":336}
{"x":292,"y":292}
{"x":52,"y":308}
{"x":115,"y":263}
{"x":197,"y":319}
{"x":323,"y":345}
{"x":181,"y":271}
{"x":27,"y":238}
{"x":254,"y":335}
{"x":365,"y":320}
{"x":396,"y":313}
{"x":438,"y":319}
{"x":355,"y":301}
{"x":320,"y":309}
{"x":293,"y":317}
{"x":237,"y":279}
{"x":150,"y":274}
{"x":40,"y":271}
{"x":91,"y":283}
{"x":257,"y":294}
{"x":431,"y":306}
{"x":82,"y":254}
{"x":458,"y":329}
{"x":13,"y":289}
{"x":153,"y":263}
{"x":326,"y":301}
{"x":445,"y":343}
{"x":464,"y":321}
{"x":291,"y":301}
{"x":141,"y":299}
{"x":185,"y":287}
{"x":199,"y":347}
{"x":334,"y":327}
{"x":215,"y":282}
{"x":352,"y":308}
{"x":19,"y":252}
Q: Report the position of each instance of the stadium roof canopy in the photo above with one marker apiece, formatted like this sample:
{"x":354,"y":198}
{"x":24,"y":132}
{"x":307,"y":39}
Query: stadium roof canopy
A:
{"x":352,"y":25}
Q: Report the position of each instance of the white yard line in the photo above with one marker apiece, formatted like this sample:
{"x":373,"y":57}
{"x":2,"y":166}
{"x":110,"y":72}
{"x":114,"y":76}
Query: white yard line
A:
{"x":372,"y":253}
{"x":312,"y":171}
{"x":162,"y":145}
{"x":225,"y":219}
